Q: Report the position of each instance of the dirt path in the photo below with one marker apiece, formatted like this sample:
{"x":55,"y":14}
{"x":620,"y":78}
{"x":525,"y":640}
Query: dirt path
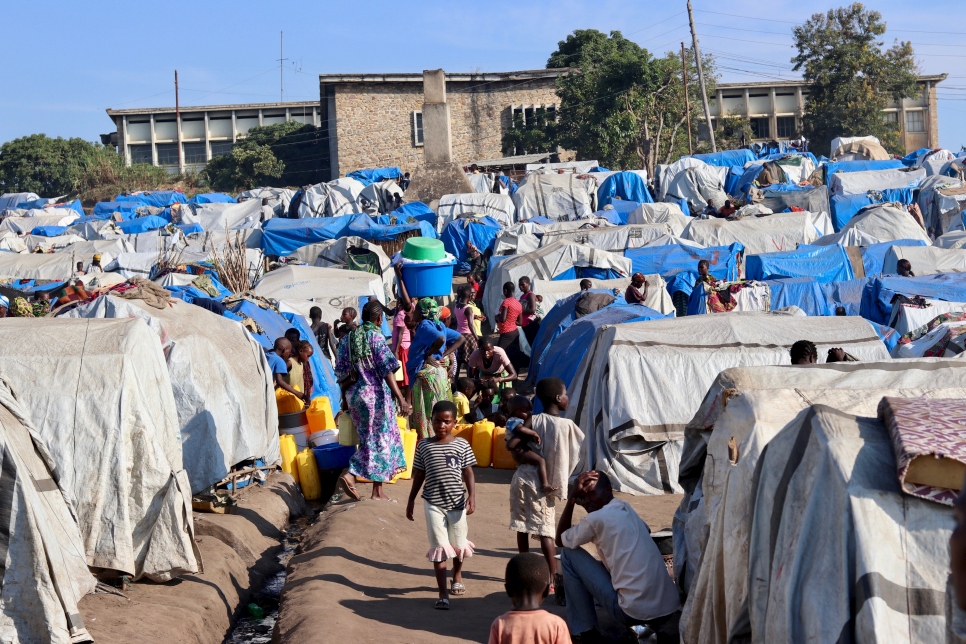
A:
{"x":362,"y":574}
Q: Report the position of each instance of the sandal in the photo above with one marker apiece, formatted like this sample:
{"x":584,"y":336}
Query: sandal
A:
{"x":457,"y":588}
{"x":350,"y":490}
{"x":441,"y":604}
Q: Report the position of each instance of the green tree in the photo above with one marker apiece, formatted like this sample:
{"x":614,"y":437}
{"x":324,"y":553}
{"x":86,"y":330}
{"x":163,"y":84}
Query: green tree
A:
{"x":247,"y":166}
{"x":728,"y":131}
{"x":49,"y":167}
{"x":852,"y":78}
{"x":540,"y":135}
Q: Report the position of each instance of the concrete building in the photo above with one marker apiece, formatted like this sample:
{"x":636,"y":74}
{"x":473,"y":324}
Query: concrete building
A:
{"x":151,"y":135}
{"x":775,"y":110}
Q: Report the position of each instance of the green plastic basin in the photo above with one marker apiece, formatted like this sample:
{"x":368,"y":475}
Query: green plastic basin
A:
{"x":424,"y":248}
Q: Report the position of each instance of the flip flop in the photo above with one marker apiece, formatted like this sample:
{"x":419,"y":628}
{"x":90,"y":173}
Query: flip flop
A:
{"x":441,"y":604}
{"x":350,"y":489}
{"x":456,"y":588}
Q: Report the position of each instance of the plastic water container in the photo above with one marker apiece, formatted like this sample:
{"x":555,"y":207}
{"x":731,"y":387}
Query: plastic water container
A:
{"x":287,"y":402}
{"x":296,"y":425}
{"x":409,"y":440}
{"x":333,"y":457}
{"x":309,"y":475}
{"x":320,"y":415}
{"x":324,"y":437}
{"x":286,"y":445}
{"x":463,"y":431}
{"x":482,"y":442}
{"x":428,"y":279}
{"x":402,"y":422}
{"x":348,"y":436}
{"x":502,"y":458}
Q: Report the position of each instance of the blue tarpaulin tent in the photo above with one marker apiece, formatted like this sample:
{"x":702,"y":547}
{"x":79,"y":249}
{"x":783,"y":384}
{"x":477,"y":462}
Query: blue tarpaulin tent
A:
{"x":480,"y":231}
{"x":860,"y":166}
{"x":74,"y":205}
{"x":821,"y":263}
{"x":187,"y":229}
{"x":678,"y":263}
{"x":848,"y":295}
{"x":212,"y":197}
{"x":159,"y":199}
{"x":619,"y":211}
{"x":369,"y":176}
{"x":844,"y":207}
{"x":734,"y":160}
{"x":414,"y":209}
{"x":142,"y":224}
{"x":803,"y":292}
{"x":284,"y":236}
{"x":48,"y":231}
{"x":629,"y":186}
{"x":874,"y":256}
{"x":878,"y":293}
{"x":556,"y":322}
{"x":106,"y":208}
{"x":189,"y":293}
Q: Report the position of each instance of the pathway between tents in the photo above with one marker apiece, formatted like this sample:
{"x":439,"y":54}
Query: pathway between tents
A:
{"x":362,"y":574}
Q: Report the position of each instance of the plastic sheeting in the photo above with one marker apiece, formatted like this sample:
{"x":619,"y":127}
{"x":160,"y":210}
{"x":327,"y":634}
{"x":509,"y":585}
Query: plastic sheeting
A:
{"x":614,"y":239}
{"x":416,"y":210}
{"x":558,"y":260}
{"x":100,"y":395}
{"x":211,"y":197}
{"x":142,"y":224}
{"x":698,"y":185}
{"x":802,"y":292}
{"x":713,"y":525}
{"x":657,"y":297}
{"x":859,"y":183}
{"x":926,"y":260}
{"x":224,"y":216}
{"x":846,"y":207}
{"x":822,"y":263}
{"x":812,"y":199}
{"x":37,"y":266}
{"x":628,"y":186}
{"x":660,"y":213}
{"x":878,"y":293}
{"x":559,"y":197}
{"x":678,"y":263}
{"x":848,"y":295}
{"x":23,"y":225}
{"x":369,"y":176}
{"x":499,"y":207}
{"x":778,"y":232}
{"x":222,"y":385}
{"x":284,"y":236}
{"x":640,"y":383}
{"x":877,"y":224}
{"x":10,"y":200}
{"x":459,"y":233}
{"x":159,"y":199}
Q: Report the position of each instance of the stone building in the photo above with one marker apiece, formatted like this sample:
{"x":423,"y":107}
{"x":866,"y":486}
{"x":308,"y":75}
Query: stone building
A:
{"x":374,"y":120}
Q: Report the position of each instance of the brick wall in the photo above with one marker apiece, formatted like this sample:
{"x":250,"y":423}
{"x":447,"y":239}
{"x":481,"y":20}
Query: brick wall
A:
{"x":374,"y":120}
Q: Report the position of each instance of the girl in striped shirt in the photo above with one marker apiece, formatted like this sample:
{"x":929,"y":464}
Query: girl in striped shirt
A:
{"x":442,"y":466}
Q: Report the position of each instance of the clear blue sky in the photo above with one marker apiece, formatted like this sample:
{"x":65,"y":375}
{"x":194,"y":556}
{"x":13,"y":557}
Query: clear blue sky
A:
{"x":67,"y":62}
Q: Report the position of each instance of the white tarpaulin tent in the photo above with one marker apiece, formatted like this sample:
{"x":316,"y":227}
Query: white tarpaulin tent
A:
{"x":45,"y":573}
{"x":330,"y":289}
{"x":278,"y":198}
{"x":666,"y":173}
{"x":224,"y":216}
{"x":660,"y":213}
{"x":222,"y":385}
{"x":35,"y":242}
{"x":36,"y":266}
{"x":556,"y":196}
{"x":10,"y":200}
{"x":837,"y":552}
{"x":909,"y":318}
{"x":106,"y":248}
{"x":217,"y":239}
{"x":335,"y":253}
{"x":499,"y":207}
{"x":768,"y":234}
{"x":99,"y":393}
{"x":697,"y":185}
{"x":879,"y":224}
{"x":23,"y":225}
{"x":553,"y":291}
{"x":747,"y":407}
{"x":839,"y":141}
{"x":142,"y":263}
{"x":640,"y":383}
{"x":615,"y":239}
{"x":859,"y":183}
{"x":926,"y":260}
{"x":545,"y":264}
{"x":955,"y":239}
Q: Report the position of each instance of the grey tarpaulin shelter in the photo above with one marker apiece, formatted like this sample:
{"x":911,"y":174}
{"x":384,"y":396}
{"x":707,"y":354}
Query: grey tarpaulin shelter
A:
{"x":99,"y":393}
{"x":556,"y":196}
{"x":499,"y":207}
{"x":614,"y":239}
{"x":222,"y":385}
{"x":640,"y":383}
{"x":747,"y":408}
{"x":44,"y":574}
{"x":768,"y":234}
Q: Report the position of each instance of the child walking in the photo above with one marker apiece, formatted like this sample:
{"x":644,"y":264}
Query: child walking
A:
{"x":528,"y":584}
{"x":444,"y":464}
{"x":533,"y":494}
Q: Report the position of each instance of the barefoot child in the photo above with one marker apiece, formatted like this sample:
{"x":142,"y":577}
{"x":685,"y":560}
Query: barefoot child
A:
{"x":444,"y":464}
{"x":528,"y":584}
{"x":532,"y":511}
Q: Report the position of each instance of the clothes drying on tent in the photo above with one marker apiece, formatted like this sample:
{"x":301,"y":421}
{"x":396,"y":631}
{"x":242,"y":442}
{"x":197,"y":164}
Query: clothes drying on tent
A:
{"x":481,"y":232}
{"x":728,"y":297}
{"x":879,"y":294}
{"x":822,"y":263}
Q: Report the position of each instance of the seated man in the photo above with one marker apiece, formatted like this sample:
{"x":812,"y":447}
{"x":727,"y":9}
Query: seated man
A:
{"x":727,"y":210}
{"x":630,"y":582}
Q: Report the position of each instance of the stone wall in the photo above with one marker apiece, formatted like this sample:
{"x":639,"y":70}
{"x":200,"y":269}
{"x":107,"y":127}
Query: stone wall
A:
{"x":374,"y":120}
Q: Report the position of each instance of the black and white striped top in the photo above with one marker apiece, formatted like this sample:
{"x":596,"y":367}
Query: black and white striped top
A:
{"x":443,"y":464}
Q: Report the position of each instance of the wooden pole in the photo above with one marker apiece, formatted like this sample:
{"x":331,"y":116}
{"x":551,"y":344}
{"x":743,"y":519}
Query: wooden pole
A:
{"x":687,"y":98}
{"x":704,"y":91}
{"x":177,"y":122}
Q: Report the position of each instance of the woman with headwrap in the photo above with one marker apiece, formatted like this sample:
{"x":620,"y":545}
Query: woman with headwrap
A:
{"x":368,"y":398}
{"x":432,"y":341}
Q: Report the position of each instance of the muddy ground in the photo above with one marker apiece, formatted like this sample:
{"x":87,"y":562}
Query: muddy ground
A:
{"x":362,"y":574}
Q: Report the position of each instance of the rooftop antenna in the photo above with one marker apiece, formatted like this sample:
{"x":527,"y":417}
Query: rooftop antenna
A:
{"x":281,"y":66}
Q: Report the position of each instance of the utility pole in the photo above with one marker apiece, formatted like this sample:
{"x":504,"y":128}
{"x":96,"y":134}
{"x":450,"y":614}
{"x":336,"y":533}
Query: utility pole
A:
{"x":281,"y":68}
{"x":687,"y":98}
{"x":704,"y":91}
{"x":177,"y":122}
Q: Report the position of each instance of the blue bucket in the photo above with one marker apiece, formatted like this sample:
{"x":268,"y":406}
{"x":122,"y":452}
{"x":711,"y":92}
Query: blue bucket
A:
{"x":333,"y":456}
{"x":429,"y":279}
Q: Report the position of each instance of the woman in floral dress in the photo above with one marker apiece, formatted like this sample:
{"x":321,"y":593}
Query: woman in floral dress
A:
{"x":369,"y":401}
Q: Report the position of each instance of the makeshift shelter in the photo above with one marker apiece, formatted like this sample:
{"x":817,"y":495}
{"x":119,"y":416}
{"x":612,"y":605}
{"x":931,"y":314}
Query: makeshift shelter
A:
{"x":804,"y":293}
{"x":926,"y":260}
{"x":625,"y":186}
{"x":942,"y":336}
{"x":330,"y":289}
{"x":211,"y":197}
{"x":10,"y":200}
{"x":37,"y":266}
{"x":333,"y":199}
{"x":461,"y":232}
{"x":101,"y":397}
{"x":369,"y":176}
{"x":555,"y":196}
{"x":498,"y":207}
{"x":858,"y":148}
{"x":614,"y":239}
{"x":154,"y":199}
{"x":657,"y":298}
{"x":660,"y":213}
{"x":666,"y":173}
{"x":278,"y":198}
{"x":284,"y":236}
{"x":729,"y":297}
{"x":350,"y":253}
{"x":860,"y":183}
{"x":876,"y":224}
{"x":224,"y":216}
{"x":222,"y":385}
{"x":559,"y":261}
{"x":879,"y":293}
{"x":698,"y":185}
{"x":778,"y":232}
{"x":940,"y":201}
{"x":640,"y":383}
{"x":822,"y":263}
{"x":678,"y":263}
{"x":23,"y":225}
{"x":750,"y":407}
{"x":956,"y":239}
{"x":844,"y":207}
{"x":810,"y":198}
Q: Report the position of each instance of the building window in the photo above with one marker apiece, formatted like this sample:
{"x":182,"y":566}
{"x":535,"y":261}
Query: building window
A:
{"x":759,"y":128}
{"x":140,"y":154}
{"x":195,"y":153}
{"x":915,"y":122}
{"x":891,"y":117}
{"x":786,"y":127}
{"x":220,"y":148}
{"x":417,"y":123}
{"x":167,"y":154}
